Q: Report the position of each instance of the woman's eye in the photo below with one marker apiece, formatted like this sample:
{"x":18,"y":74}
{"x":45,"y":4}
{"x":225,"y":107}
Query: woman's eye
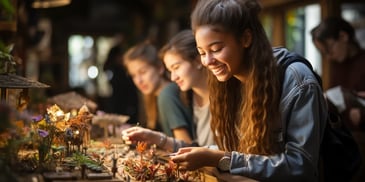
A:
{"x":175,"y":67}
{"x":141,"y":72}
{"x":216,"y":49}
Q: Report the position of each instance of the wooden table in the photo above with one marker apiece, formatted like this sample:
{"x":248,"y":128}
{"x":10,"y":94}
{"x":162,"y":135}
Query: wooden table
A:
{"x":209,"y":174}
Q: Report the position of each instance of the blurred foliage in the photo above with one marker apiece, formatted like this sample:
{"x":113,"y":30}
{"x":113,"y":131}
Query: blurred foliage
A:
{"x":7,"y":61}
{"x":7,"y":6}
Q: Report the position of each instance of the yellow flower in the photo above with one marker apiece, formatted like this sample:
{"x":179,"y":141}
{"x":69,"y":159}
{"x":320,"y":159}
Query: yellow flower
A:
{"x":42,"y":123}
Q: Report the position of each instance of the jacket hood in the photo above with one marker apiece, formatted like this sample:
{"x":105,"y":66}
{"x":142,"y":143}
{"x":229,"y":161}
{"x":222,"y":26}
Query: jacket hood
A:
{"x":280,"y":53}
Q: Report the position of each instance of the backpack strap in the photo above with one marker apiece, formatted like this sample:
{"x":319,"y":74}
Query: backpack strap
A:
{"x":284,"y":64}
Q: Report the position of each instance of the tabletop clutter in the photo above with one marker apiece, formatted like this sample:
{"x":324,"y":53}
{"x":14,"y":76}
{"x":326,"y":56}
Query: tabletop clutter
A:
{"x":58,"y":146}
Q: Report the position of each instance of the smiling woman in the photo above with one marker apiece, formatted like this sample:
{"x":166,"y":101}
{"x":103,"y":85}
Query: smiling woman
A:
{"x":248,"y":125}
{"x":183,"y":61}
{"x":164,"y":108}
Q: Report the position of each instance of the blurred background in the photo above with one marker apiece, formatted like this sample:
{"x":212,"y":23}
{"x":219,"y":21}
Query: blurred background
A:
{"x":66,"y":43}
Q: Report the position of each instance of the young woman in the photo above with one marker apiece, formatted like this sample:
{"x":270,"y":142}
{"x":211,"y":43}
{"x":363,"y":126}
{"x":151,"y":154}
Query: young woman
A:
{"x":165,"y":110}
{"x":181,"y":58}
{"x":266,"y":128}
{"x":336,"y":40}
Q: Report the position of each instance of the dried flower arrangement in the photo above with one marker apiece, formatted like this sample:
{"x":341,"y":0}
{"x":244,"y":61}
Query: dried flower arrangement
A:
{"x":143,"y":168}
{"x":42,"y":140}
{"x":57,"y":129}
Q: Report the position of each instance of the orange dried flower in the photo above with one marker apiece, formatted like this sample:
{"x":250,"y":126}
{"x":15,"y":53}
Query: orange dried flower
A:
{"x":141,"y":147}
{"x":19,"y":124}
{"x":107,"y":144}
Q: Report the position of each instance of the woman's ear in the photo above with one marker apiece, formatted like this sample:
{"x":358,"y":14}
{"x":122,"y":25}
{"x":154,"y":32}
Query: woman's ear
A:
{"x":246,"y":38}
{"x":161,"y":70}
{"x":198,"y":63}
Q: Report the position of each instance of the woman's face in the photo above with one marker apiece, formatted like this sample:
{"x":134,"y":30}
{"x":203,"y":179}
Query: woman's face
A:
{"x":220,"y":52}
{"x":183,"y":72}
{"x":146,"y":77}
{"x":334,"y":50}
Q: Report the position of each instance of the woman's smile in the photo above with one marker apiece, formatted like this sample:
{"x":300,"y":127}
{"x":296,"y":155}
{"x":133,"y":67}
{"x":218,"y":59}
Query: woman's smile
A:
{"x":219,"y":69}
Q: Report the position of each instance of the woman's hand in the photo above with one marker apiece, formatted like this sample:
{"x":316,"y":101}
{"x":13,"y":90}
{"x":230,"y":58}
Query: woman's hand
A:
{"x":361,"y":94}
{"x":192,"y":158}
{"x":135,"y":134}
{"x":355,"y":116}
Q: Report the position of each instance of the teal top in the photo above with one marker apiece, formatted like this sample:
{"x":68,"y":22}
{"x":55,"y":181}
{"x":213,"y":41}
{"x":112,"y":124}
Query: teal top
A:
{"x":172,"y":112}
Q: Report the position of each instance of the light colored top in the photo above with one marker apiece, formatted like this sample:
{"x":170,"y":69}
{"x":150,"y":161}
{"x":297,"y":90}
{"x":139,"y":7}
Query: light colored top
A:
{"x":304,"y":112}
{"x":202,"y":118}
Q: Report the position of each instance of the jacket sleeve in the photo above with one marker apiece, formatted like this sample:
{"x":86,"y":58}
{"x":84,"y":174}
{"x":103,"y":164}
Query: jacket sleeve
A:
{"x":303,"y":116}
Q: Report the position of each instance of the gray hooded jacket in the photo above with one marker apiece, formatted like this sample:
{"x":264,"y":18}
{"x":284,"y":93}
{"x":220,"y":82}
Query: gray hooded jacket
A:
{"x":303,"y":112}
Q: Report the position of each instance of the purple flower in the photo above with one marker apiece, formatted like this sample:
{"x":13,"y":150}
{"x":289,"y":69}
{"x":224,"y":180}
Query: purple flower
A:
{"x":42,"y":133}
{"x":37,"y":118}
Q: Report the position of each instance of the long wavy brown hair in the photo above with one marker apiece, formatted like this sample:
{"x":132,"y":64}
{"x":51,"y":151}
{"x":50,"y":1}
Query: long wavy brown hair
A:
{"x":244,"y":115}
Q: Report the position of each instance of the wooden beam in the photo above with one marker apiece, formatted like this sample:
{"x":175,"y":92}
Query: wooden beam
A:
{"x":278,"y":28}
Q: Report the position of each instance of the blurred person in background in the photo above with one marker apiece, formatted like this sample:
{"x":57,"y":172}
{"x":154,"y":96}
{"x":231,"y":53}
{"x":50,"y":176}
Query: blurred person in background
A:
{"x":335,"y":38}
{"x":124,"y":98}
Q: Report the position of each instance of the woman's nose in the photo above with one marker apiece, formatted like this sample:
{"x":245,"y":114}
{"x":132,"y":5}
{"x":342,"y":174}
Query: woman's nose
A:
{"x":138,"y":80}
{"x":173,"y":76}
{"x":207,"y":59}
